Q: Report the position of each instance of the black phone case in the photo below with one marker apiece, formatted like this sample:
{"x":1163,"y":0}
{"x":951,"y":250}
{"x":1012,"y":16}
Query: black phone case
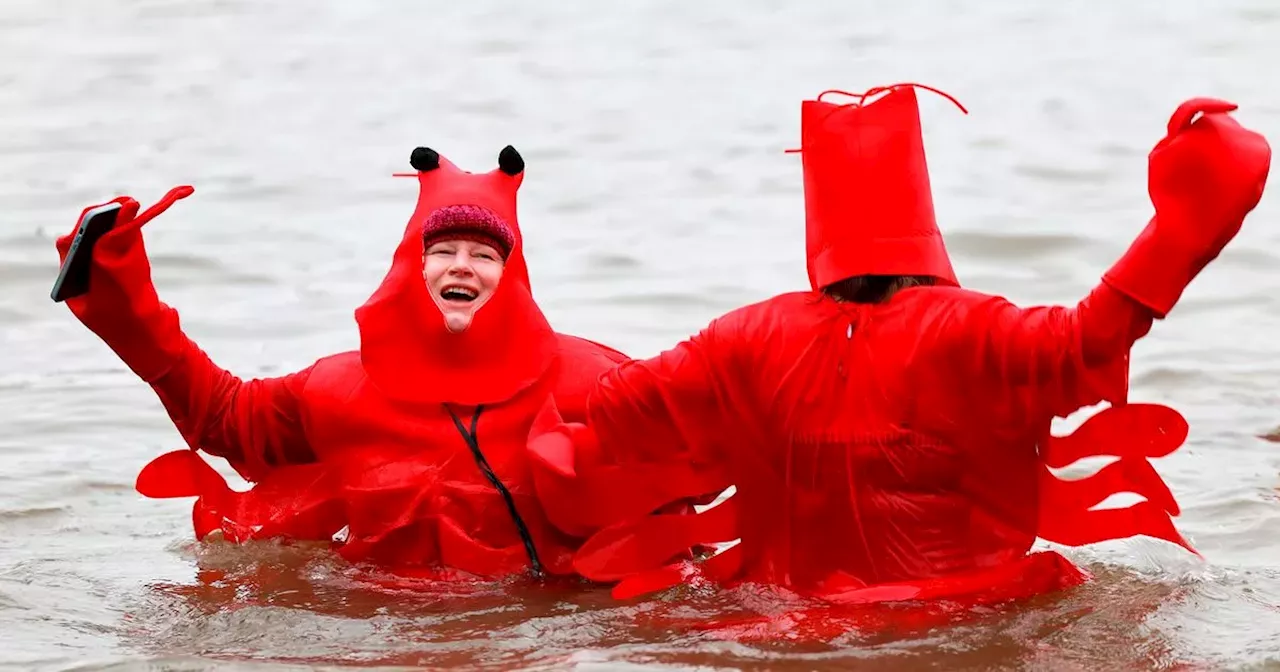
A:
{"x":73,"y":277}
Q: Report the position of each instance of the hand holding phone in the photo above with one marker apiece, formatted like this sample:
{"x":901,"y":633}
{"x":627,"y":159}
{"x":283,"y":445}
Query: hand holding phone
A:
{"x":73,"y":277}
{"x":116,"y":221}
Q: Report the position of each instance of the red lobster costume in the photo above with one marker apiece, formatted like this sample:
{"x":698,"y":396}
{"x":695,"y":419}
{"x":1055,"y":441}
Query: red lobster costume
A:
{"x":416,"y":444}
{"x":899,"y":450}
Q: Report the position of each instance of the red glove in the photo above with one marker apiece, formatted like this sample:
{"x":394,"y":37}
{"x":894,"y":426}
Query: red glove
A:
{"x":121,"y":306}
{"x":1204,"y":177}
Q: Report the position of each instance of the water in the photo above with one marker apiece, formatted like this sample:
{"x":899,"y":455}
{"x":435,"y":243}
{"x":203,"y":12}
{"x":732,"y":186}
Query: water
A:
{"x":657,"y":197}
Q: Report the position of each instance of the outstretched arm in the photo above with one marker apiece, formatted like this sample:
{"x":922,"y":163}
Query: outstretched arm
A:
{"x":254,"y":424}
{"x":1077,"y":355}
{"x":1206,"y":175}
{"x":678,"y":403}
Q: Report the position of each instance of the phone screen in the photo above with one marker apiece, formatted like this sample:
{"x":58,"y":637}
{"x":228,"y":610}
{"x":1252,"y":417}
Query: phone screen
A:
{"x":73,"y":277}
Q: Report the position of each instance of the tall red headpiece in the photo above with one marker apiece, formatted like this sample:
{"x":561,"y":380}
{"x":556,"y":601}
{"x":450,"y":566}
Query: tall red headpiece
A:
{"x":868,"y":203}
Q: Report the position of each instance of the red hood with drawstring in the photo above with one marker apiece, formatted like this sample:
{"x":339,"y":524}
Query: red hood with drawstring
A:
{"x":405,"y":347}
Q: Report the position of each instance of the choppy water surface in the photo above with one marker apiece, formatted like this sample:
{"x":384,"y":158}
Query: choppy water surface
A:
{"x":657,"y":197}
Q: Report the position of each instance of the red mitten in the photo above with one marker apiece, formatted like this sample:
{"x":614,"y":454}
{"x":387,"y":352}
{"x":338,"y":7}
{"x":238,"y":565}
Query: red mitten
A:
{"x":1204,"y":177}
{"x":121,"y":306}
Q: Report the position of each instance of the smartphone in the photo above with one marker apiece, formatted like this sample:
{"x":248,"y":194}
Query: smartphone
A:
{"x":73,"y":277}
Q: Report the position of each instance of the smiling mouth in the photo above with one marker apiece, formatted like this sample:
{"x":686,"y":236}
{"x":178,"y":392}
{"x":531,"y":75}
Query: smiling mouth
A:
{"x":458,"y":294}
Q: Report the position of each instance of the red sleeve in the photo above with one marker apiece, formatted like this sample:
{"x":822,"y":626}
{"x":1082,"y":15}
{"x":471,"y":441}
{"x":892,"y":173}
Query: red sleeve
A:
{"x":644,"y":441}
{"x":253,"y":424}
{"x":1071,"y":357}
{"x":674,"y":403}
{"x":1204,"y":177}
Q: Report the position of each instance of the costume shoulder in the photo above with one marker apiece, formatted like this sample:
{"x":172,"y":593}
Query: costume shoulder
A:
{"x":944,"y":306}
{"x":581,"y":363}
{"x":763,"y":316}
{"x":759,"y":326}
{"x":953,"y":297}
{"x":345,"y":362}
{"x":577,"y":349}
{"x":337,"y":374}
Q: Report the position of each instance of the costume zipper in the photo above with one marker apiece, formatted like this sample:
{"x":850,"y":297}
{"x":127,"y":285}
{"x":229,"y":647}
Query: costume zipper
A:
{"x":474,"y":444}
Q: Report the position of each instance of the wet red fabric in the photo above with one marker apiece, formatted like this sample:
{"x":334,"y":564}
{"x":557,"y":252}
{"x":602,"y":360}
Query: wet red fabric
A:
{"x":365,"y":440}
{"x":912,"y":606}
{"x":903,"y":450}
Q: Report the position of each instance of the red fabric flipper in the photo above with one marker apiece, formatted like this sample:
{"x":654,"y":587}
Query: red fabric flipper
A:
{"x":296,"y":502}
{"x":181,"y":473}
{"x":580,"y":494}
{"x":720,"y":568}
{"x":405,"y":347}
{"x":1079,"y":528}
{"x":654,"y":580}
{"x":1132,"y":432}
{"x":645,"y":544}
{"x":1126,"y":475}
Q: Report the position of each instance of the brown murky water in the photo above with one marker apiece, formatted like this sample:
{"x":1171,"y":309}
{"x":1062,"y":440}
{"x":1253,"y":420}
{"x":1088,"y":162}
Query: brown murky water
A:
{"x":657,"y":197}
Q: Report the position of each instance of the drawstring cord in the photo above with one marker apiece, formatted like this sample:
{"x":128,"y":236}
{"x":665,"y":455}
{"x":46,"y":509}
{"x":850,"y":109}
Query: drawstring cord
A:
{"x":861,"y":100}
{"x":474,"y":444}
{"x":882,"y":89}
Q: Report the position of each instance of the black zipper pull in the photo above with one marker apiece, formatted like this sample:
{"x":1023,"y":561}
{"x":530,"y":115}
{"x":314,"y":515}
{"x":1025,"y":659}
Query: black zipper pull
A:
{"x":473,"y":443}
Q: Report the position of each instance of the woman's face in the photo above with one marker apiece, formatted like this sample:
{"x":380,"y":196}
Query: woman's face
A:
{"x":461,"y":276}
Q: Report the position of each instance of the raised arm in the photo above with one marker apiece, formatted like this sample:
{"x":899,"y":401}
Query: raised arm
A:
{"x":1206,"y":175}
{"x":254,"y":424}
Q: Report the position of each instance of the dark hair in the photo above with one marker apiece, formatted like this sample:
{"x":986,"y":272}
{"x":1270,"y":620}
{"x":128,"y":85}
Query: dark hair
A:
{"x":874,"y":288}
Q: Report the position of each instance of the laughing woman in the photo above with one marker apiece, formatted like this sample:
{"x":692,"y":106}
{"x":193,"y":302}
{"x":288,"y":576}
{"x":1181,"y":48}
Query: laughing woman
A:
{"x":415,"y":443}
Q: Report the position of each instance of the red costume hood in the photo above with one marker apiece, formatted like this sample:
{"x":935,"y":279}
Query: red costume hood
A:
{"x":405,"y":348}
{"x":868,"y":204}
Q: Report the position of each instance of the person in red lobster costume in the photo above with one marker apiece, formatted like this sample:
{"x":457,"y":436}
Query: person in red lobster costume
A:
{"x":888,"y":431}
{"x":416,"y":443}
